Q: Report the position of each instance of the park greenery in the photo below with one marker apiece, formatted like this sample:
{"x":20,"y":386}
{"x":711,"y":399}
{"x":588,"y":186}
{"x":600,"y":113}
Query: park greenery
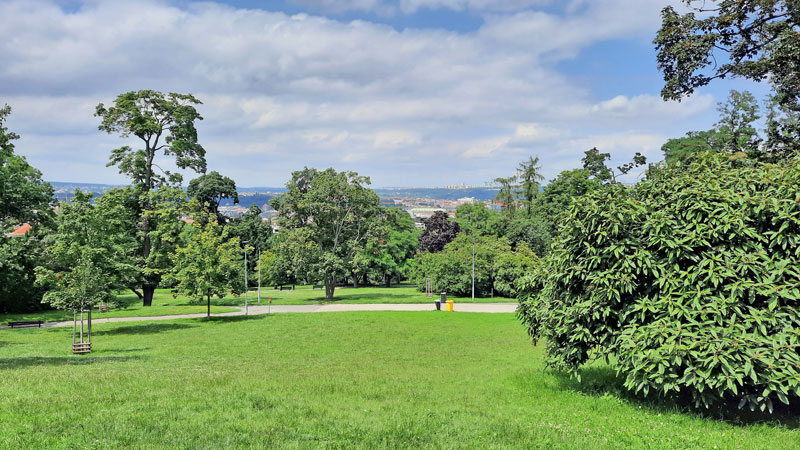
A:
{"x":676,"y":281}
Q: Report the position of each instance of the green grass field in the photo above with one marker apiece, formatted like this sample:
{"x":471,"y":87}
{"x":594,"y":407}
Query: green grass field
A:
{"x":165,"y":304}
{"x":332,"y":380}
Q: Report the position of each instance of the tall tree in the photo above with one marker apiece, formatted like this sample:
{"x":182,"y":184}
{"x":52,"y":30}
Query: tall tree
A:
{"x":24,"y":198}
{"x":165,"y":124}
{"x":528,"y":173}
{"x":507,"y":195}
{"x":594,"y":162}
{"x":783,"y":130}
{"x":753,"y":39}
{"x":735,"y":129}
{"x":210,"y":189}
{"x":337,"y":210}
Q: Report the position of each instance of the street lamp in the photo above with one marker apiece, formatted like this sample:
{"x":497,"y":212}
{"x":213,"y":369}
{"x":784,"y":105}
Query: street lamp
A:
{"x":245,"y":277}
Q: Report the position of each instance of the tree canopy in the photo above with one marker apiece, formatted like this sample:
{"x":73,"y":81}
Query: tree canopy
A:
{"x":210,"y":189}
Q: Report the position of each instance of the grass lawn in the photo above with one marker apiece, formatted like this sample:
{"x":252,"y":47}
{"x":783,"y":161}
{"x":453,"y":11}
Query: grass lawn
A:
{"x":165,"y":304}
{"x":305,"y":296}
{"x":337,"y":380}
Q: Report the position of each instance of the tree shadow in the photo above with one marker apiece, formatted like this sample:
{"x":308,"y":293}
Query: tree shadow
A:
{"x":603,"y":381}
{"x":77,"y":360}
{"x":227,"y":319}
{"x":146,"y":328}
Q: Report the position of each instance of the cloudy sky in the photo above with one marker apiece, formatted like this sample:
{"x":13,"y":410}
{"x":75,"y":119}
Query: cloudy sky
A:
{"x":409,"y":92}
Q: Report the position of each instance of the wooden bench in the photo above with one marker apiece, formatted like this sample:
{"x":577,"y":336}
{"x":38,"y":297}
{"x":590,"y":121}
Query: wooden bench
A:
{"x":286,"y":288}
{"x":26,"y":323}
{"x":318,"y":286}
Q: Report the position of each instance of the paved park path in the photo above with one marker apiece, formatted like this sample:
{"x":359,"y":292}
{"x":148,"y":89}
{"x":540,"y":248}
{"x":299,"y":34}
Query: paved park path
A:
{"x":264,"y":309}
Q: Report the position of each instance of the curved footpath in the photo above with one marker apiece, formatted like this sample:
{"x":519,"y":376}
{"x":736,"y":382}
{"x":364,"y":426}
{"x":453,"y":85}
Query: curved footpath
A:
{"x":263,"y":309}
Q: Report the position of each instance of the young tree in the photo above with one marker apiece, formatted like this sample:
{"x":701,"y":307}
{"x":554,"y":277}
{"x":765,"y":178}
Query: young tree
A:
{"x":209,"y":265}
{"x":507,"y":195}
{"x":250,"y":227}
{"x":474,"y":218}
{"x":594,"y":162}
{"x":528,"y":173}
{"x":89,"y":255}
{"x":164,"y":124}
{"x":337,"y":210}
{"x":735,"y":129}
{"x":439,"y":231}
{"x":210,"y":189}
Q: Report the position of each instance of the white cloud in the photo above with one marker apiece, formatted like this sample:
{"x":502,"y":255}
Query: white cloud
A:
{"x":281,"y":92}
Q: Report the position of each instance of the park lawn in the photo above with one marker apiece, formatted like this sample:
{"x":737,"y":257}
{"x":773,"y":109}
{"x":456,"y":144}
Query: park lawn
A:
{"x":305,"y":296}
{"x":335,"y":380}
{"x":165,"y":304}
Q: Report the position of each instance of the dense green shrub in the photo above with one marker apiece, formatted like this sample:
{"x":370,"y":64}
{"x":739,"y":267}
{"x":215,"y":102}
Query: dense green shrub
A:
{"x":689,"y":281}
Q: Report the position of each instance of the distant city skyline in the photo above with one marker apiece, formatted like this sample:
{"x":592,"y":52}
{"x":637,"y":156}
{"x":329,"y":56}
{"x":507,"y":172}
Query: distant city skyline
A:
{"x":419,"y":93}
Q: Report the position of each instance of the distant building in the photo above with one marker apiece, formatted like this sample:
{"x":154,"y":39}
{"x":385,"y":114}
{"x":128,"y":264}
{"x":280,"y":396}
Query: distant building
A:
{"x":21,"y":230}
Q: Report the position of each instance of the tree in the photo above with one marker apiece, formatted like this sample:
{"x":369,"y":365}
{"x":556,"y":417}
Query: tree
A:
{"x":389,"y":255}
{"x":752,"y":39}
{"x":558,"y":195}
{"x":251,"y":228}
{"x":210,"y":189}
{"x":337,"y":210}
{"x":474,"y":218}
{"x":24,"y":198}
{"x":695,"y":142}
{"x":209,"y":265}
{"x":783,"y":130}
{"x":507,"y":195}
{"x":439,"y":231}
{"x":89,"y":255}
{"x":735,"y":129}
{"x":686,"y":281}
{"x":165,"y":124}
{"x":594,"y":162}
{"x":528,"y":173}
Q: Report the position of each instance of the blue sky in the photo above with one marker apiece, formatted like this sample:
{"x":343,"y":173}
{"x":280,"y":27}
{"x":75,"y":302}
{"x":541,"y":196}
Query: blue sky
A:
{"x":409,"y":92}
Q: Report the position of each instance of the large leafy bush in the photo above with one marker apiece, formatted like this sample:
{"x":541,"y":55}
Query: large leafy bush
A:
{"x":689,"y":281}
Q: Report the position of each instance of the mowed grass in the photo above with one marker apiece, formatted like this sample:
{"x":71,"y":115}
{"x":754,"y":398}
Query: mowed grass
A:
{"x":164,"y":303}
{"x":332,"y":380}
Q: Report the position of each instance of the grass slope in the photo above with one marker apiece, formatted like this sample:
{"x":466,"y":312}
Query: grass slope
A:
{"x":363,"y":379}
{"x":165,"y":304}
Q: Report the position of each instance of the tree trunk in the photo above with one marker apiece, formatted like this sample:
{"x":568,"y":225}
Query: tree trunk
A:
{"x":147,"y":299}
{"x":208,"y":314}
{"x":138,"y":294}
{"x":355,"y":280}
{"x":330,"y":285}
{"x":388,"y":280}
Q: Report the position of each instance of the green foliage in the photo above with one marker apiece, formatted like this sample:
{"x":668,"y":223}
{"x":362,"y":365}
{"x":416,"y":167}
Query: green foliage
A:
{"x":594,"y":163}
{"x":337,"y":211}
{"x":555,"y":198}
{"x":24,"y":198}
{"x":209,"y":265}
{"x":689,"y":280}
{"x":210,"y":189}
{"x":474,"y":218}
{"x":392,"y":247}
{"x":529,"y":176}
{"x":89,"y":255}
{"x":497,"y":266}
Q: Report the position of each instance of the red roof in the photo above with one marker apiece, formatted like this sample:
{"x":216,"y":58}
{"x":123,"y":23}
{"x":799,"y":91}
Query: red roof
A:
{"x":187,"y":220}
{"x":21,"y":230}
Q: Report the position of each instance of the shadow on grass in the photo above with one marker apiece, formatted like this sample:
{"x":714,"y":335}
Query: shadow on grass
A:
{"x":231,"y":319}
{"x":603,"y":381}
{"x":145,"y":328}
{"x":33,"y":361}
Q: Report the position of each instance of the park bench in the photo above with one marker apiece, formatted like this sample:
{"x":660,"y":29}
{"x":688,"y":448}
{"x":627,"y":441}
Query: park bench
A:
{"x":318,"y":286}
{"x":26,"y":323}
{"x":286,"y":288}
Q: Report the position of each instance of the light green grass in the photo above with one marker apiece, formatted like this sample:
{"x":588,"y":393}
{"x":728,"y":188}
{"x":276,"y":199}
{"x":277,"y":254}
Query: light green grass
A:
{"x":165,"y":304}
{"x":332,"y":380}
{"x":306,"y":296}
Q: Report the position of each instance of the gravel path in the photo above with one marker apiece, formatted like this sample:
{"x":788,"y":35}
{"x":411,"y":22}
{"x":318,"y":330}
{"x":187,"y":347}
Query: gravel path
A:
{"x":263,"y":309}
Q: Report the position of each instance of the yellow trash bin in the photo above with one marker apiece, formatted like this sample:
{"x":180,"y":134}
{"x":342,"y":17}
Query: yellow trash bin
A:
{"x":450,"y":305}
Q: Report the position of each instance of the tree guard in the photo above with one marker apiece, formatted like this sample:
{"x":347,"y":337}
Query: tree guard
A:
{"x":82,"y":342}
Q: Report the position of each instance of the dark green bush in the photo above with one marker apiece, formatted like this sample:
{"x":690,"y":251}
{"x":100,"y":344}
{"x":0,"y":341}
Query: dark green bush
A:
{"x":688,"y":281}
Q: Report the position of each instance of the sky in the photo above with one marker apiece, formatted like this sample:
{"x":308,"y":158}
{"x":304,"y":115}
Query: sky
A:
{"x":421,"y":93}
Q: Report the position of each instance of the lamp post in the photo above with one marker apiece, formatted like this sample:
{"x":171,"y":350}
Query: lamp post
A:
{"x":472,"y":233}
{"x":245,"y":277}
